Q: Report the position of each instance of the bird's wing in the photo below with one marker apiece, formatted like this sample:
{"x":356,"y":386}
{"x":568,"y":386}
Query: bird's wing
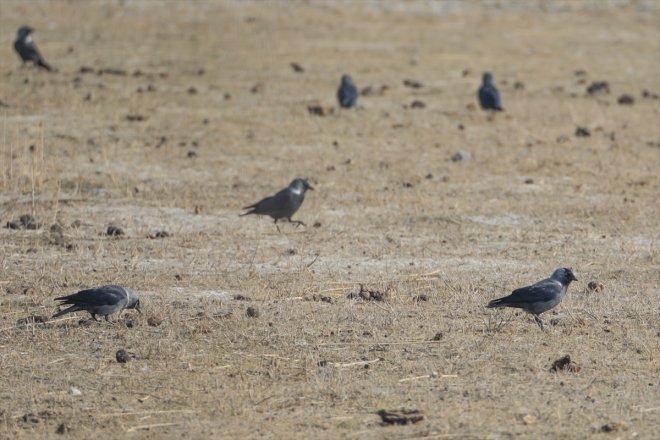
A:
{"x":545,"y":290}
{"x":101,"y":296}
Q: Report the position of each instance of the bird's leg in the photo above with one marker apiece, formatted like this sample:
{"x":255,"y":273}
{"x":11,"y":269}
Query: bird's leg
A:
{"x":107,"y":318}
{"x":538,"y":321}
{"x":297,"y":222}
{"x":94,"y":316}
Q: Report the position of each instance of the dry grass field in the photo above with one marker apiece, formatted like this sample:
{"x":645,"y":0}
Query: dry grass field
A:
{"x":171,"y":116}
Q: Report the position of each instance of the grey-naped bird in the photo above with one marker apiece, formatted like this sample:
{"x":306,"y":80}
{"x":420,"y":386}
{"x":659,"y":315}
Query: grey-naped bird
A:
{"x":347,"y":94}
{"x":283,"y":204}
{"x":489,"y":97}
{"x":104,"y":301}
{"x":27,"y":49}
{"x":539,"y":297}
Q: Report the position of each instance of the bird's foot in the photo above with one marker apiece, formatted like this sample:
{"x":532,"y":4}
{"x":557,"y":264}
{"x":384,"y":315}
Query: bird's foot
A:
{"x":539,"y":322}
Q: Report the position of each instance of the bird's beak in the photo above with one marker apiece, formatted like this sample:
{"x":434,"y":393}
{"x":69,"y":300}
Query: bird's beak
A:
{"x":308,"y":186}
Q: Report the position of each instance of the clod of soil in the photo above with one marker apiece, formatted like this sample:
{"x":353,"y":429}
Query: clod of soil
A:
{"x":318,"y":110}
{"x":367,"y":295}
{"x":418,"y":104}
{"x":191,"y":154}
{"x":320,"y":298}
{"x":421,"y":297}
{"x":159,"y":234}
{"x":438,"y":336}
{"x":257,"y":88}
{"x":596,"y":286}
{"x":373,"y":90}
{"x":413,"y":84}
{"x":154,"y":321}
{"x":26,"y":221}
{"x":565,"y":364}
{"x":297,"y":67}
{"x":518,"y":85}
{"x":597,"y":87}
{"x":614,"y":426}
{"x":582,"y":132}
{"x":402,"y":417}
{"x":626,"y":100}
{"x":136,"y":118}
{"x":34,"y":319}
{"x":240,"y":297}
{"x":192,"y":91}
{"x":114,"y":231}
{"x":316,"y":225}
{"x":252,"y":312}
{"x":121,"y":356}
{"x":63,"y":428}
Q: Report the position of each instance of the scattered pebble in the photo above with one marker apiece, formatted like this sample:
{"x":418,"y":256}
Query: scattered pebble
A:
{"x":192,"y":91}
{"x":438,"y":336}
{"x":403,"y":417}
{"x":136,"y":118}
{"x":252,"y":312}
{"x":374,"y":90}
{"x":421,"y":297}
{"x":529,"y":419}
{"x":25,"y":221}
{"x":418,"y":104}
{"x":518,"y":85}
{"x":74,"y":391}
{"x":565,"y":364}
{"x":461,"y":156}
{"x":34,"y":319}
{"x":191,"y":154}
{"x":63,"y":428}
{"x":529,"y":181}
{"x":241,"y":297}
{"x":257,"y":88}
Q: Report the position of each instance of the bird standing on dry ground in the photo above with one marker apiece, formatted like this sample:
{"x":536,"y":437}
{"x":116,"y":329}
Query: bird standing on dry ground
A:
{"x":347,"y":94}
{"x":283,"y":204}
{"x":104,"y":301}
{"x":27,"y":49}
{"x":539,"y":297}
{"x":489,"y":96}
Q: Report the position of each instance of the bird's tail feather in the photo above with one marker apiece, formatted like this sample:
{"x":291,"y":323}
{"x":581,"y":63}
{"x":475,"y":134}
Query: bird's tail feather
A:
{"x":73,"y":308}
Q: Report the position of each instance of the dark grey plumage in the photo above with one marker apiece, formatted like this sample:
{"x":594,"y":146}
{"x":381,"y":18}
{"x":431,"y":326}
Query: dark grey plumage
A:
{"x":489,"y":96}
{"x":26,"y":48}
{"x":104,"y":301}
{"x":539,"y":297}
{"x":283,"y":204}
{"x":347,"y":94}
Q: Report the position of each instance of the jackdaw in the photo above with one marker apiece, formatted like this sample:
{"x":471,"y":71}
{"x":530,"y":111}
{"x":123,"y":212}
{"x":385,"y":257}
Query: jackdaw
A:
{"x":104,"y":301}
{"x":283,"y":204}
{"x":539,"y":297}
{"x":489,"y":97}
{"x":27,"y":49}
{"x":347,"y":94}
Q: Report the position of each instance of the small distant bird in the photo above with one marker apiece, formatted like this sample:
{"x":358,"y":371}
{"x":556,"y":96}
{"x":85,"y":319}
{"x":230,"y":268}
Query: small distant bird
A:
{"x":283,"y":204}
{"x":27,"y":49}
{"x":489,"y":97}
{"x":347,"y":94}
{"x":539,"y":297}
{"x":104,"y":301}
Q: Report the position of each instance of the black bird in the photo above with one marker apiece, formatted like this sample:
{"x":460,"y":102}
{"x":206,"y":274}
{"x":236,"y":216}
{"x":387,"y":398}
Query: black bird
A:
{"x":347,"y":94}
{"x":104,"y":301}
{"x":283,"y":204}
{"x":27,"y":49}
{"x":539,"y":297}
{"x":489,"y":97}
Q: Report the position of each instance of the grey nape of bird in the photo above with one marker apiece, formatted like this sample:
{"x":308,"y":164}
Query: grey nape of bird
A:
{"x":104,"y":301}
{"x":26,"y":48}
{"x":283,"y":204}
{"x":489,"y":96}
{"x":539,"y":297}
{"x":347,"y":94}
